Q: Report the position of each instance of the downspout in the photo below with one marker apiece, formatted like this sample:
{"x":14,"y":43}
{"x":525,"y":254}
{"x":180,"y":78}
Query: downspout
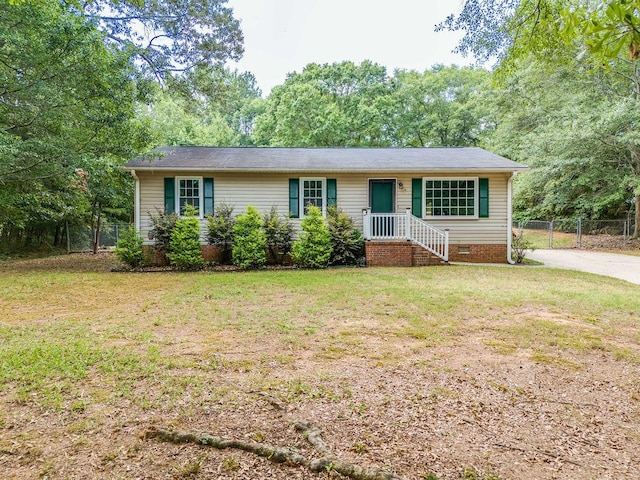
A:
{"x":510,"y":217}
{"x":136,"y":201}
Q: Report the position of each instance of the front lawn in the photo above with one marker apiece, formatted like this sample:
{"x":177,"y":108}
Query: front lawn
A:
{"x":439,"y":372}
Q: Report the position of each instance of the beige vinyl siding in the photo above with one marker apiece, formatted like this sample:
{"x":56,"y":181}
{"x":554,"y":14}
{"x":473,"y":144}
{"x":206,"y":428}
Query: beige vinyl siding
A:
{"x":263,"y":190}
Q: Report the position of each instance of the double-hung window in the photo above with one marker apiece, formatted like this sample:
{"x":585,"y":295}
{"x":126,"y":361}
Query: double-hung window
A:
{"x":451,"y":197}
{"x":313,"y":193}
{"x":189,"y":193}
{"x":180,"y":192}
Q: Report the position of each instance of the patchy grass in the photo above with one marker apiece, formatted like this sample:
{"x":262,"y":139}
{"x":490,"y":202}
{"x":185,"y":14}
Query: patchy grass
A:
{"x":385,"y":359}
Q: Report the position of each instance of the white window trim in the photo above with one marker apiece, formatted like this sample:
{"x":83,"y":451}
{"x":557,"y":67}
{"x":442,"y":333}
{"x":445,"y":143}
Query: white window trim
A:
{"x":324,"y":194}
{"x":200,"y":194}
{"x":476,"y":204}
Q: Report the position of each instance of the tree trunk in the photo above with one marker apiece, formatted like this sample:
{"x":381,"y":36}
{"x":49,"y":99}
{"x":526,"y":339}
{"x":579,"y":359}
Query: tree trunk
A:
{"x":96,"y":237}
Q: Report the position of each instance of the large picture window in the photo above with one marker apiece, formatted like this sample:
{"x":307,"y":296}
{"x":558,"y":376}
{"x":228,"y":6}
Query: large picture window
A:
{"x":451,"y":197}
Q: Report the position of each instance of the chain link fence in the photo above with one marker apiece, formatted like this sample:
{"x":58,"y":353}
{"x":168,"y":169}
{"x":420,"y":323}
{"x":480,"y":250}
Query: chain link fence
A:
{"x":576,"y":232}
{"x":80,"y":239}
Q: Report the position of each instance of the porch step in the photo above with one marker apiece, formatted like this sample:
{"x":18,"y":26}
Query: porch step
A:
{"x":398,"y":253}
{"x":421,"y":257}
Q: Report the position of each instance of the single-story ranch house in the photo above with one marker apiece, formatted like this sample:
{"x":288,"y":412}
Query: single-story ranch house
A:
{"x":415,"y":206}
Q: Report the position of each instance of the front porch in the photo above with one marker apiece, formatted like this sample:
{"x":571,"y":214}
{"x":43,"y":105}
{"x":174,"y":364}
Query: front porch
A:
{"x":403,"y":240}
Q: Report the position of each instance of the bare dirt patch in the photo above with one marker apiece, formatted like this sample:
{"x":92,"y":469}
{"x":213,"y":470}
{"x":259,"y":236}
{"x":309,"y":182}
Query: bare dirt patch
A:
{"x":611,"y":243}
{"x":482,"y":399}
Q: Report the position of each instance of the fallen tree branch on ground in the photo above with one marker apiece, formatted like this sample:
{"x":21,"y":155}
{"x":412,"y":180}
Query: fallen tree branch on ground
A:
{"x":327,"y":461}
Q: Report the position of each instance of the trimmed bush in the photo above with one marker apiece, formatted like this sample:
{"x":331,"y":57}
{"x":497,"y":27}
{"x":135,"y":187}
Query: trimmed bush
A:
{"x":279,"y":232}
{"x":312,"y":249}
{"x":220,"y":231}
{"x":250,"y":241}
{"x":185,"y":251}
{"x":346,"y":240}
{"x":129,"y":248}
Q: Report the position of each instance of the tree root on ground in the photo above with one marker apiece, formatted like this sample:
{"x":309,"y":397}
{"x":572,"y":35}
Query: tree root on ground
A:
{"x":327,"y":461}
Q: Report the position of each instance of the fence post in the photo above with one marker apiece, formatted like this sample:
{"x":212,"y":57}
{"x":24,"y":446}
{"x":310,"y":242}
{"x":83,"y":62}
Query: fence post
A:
{"x":625,"y":230}
{"x":551,"y":234}
{"x":627,"y":227}
{"x":579,"y":233}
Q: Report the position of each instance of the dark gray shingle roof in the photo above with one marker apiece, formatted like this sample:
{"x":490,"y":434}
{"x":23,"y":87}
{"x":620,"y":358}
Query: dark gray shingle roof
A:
{"x":268,"y":159}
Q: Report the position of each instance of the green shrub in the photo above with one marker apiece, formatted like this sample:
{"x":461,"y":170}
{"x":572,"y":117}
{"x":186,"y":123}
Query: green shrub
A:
{"x":250,"y":241}
{"x":346,"y":240}
{"x":129,"y":248}
{"x":185,"y":251}
{"x":312,"y":249}
{"x":220,"y":231}
{"x":279,"y":232}
{"x":163,"y":225}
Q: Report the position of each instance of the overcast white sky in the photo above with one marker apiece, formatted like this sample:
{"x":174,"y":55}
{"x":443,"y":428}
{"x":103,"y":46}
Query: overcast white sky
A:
{"x":282,"y":36}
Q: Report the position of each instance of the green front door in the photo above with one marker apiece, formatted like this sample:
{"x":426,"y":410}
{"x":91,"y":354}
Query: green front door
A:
{"x":382,"y":194}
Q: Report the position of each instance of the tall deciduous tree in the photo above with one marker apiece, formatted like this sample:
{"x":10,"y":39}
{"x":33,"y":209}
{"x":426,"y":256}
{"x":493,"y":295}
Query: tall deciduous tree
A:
{"x":601,"y":35}
{"x":342,"y":104}
{"x":167,"y":35}
{"x":443,"y":106}
{"x":572,"y":129}
{"x":216,"y":94}
{"x":65,"y":98}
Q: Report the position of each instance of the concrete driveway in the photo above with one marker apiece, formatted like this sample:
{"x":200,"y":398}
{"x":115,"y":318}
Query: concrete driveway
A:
{"x":625,"y":267}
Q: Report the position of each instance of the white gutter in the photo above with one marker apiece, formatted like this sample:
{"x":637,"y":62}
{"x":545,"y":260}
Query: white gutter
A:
{"x":510,"y":217}
{"x":136,"y":201}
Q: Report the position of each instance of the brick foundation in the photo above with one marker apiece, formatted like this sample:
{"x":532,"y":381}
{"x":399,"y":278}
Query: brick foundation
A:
{"x":407,"y":254}
{"x":478,"y":253}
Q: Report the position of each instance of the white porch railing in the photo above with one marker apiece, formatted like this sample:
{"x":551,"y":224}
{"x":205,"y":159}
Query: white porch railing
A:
{"x":405,"y":226}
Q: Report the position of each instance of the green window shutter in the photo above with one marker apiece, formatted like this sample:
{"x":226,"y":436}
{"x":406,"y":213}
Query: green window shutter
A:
{"x":169,"y":195}
{"x":294,"y":197}
{"x":483,"y":200}
{"x":332,"y":192}
{"x":416,"y":197}
{"x":208,"y":196}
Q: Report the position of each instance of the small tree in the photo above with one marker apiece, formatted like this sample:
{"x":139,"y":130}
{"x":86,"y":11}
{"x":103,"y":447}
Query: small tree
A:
{"x":313,"y":247}
{"x":346,"y":240}
{"x":185,"y":252}
{"x":249,"y":248}
{"x":279,"y":232}
{"x":163,"y":225}
{"x":129,"y":248}
{"x":220,"y":231}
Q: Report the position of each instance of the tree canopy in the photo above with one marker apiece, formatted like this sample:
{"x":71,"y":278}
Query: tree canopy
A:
{"x":346,"y":104}
{"x":77,"y":82}
{"x":598,"y":43}
{"x":167,"y":35}
{"x":65,"y":97}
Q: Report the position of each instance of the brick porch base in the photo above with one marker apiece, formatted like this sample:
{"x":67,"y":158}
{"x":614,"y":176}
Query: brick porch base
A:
{"x":407,"y":254}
